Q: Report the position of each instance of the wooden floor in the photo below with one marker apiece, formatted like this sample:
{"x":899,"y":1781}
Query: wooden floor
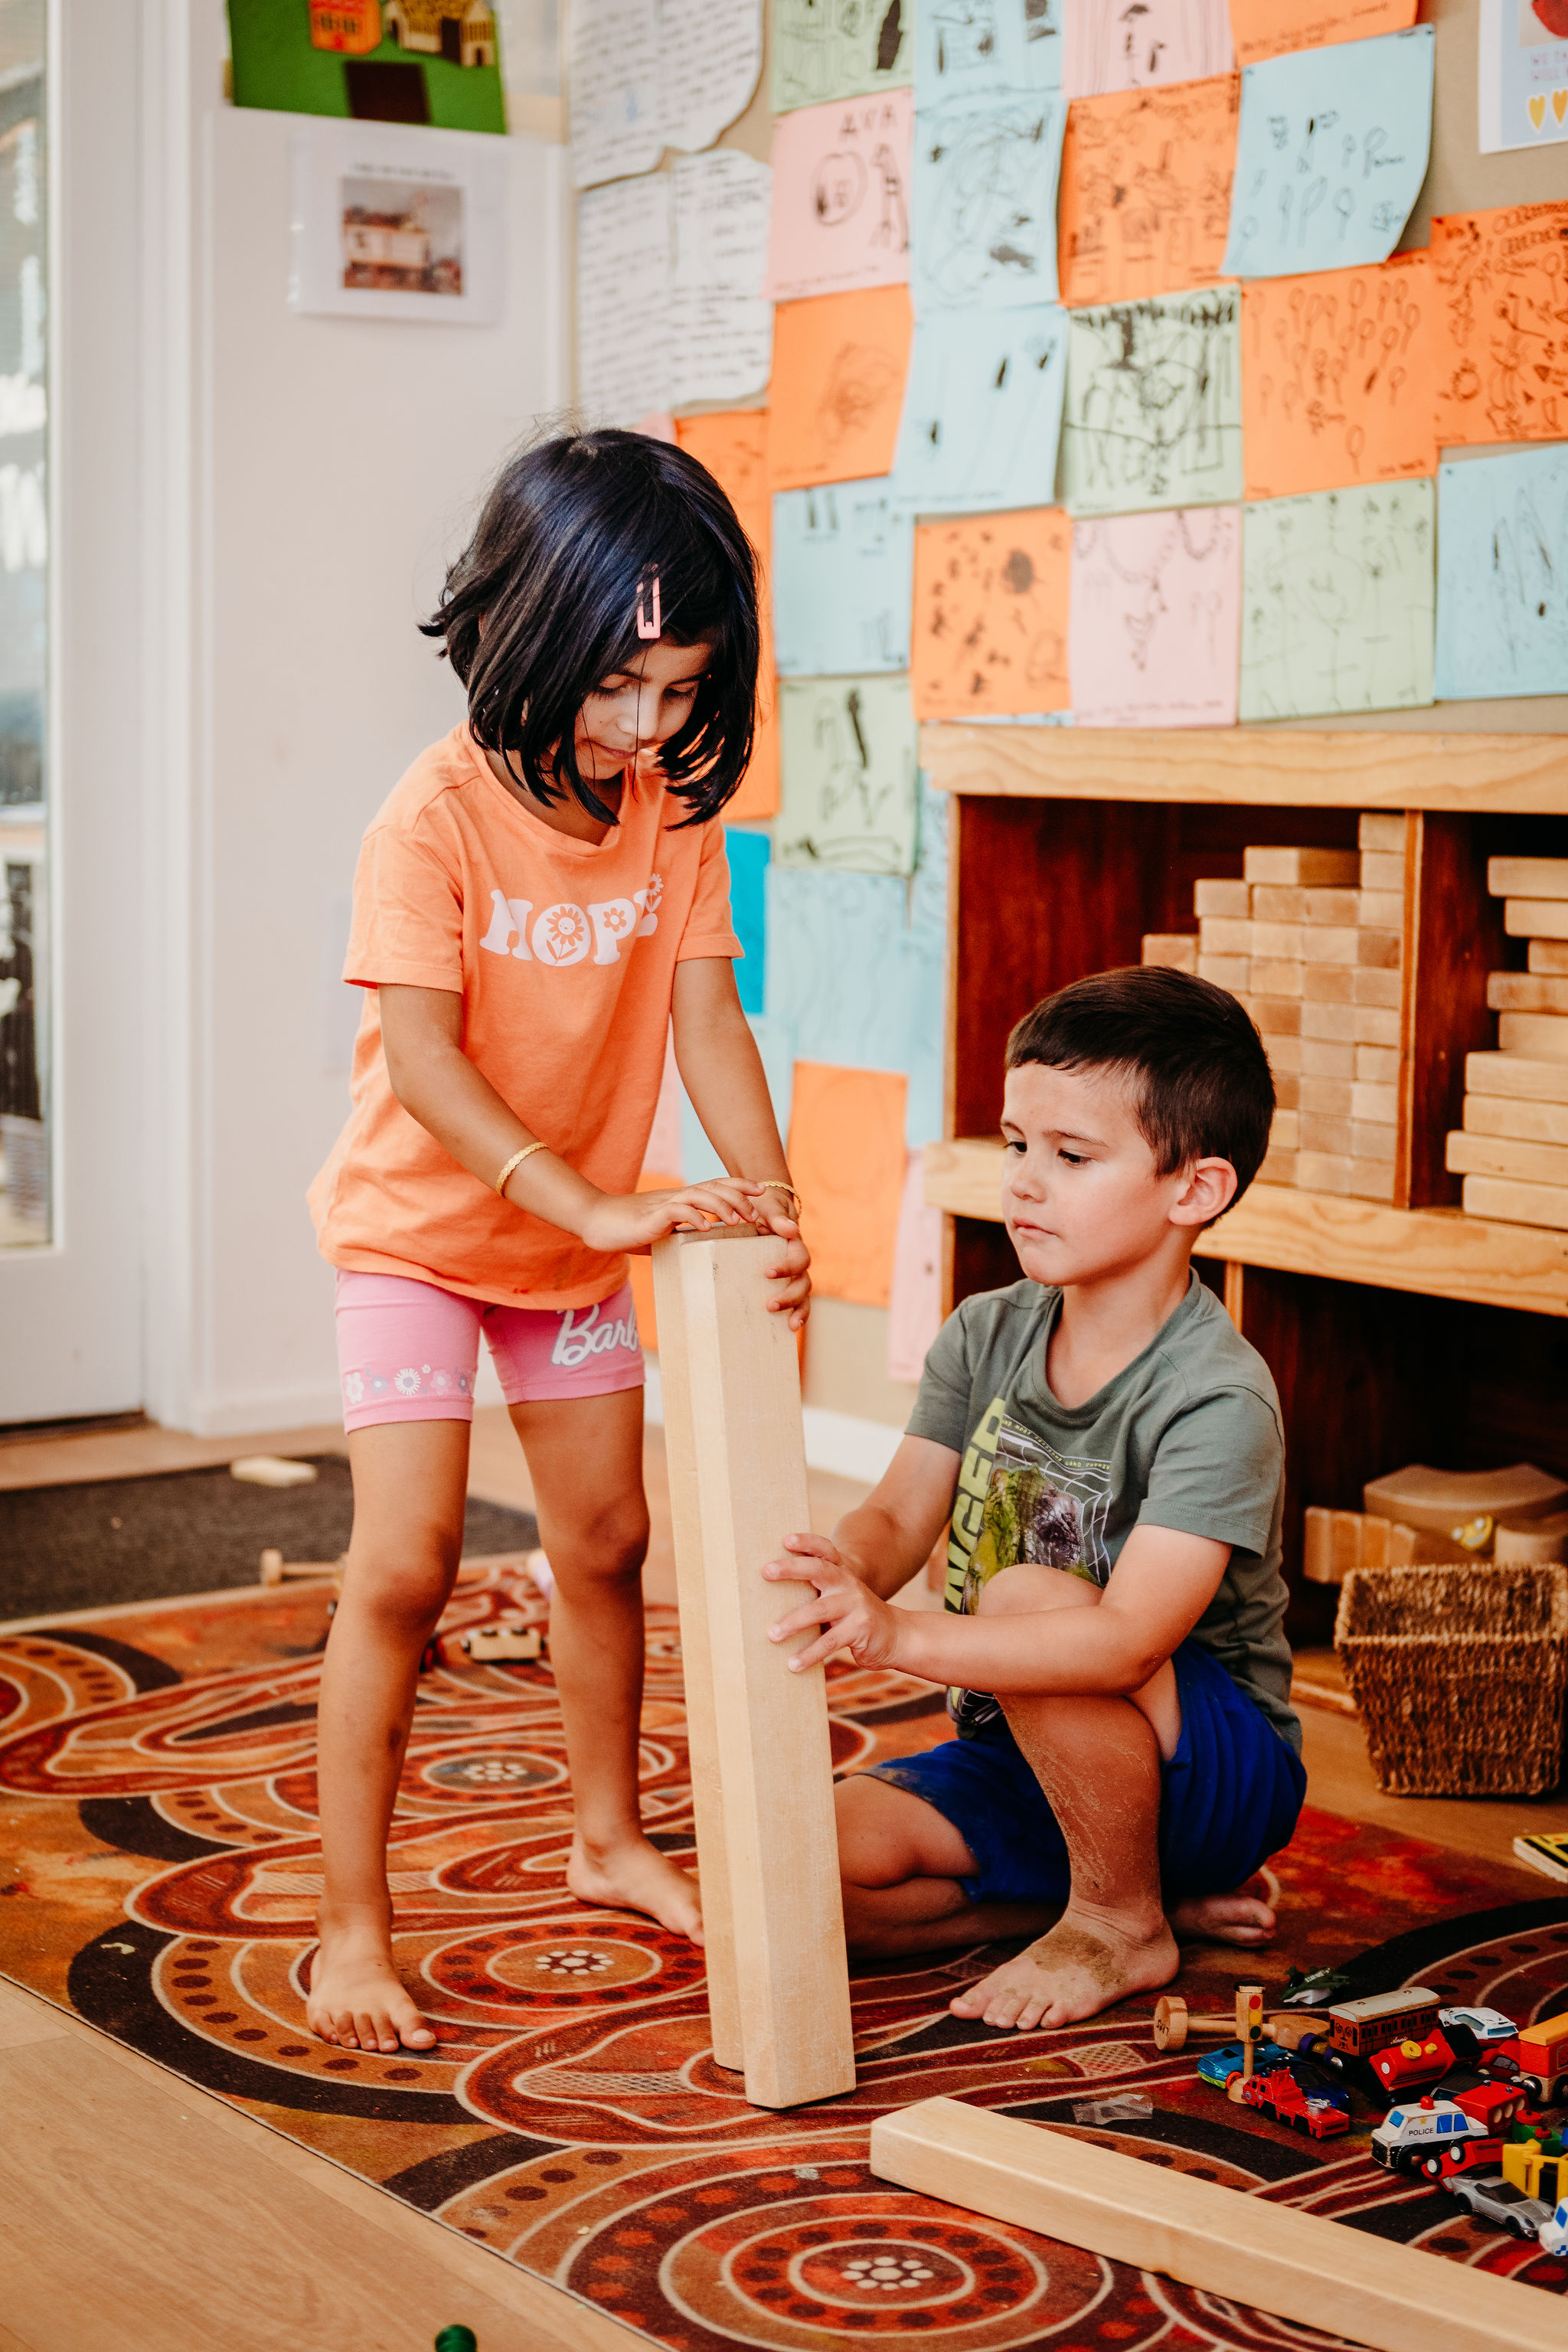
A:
{"x":138,"y":2214}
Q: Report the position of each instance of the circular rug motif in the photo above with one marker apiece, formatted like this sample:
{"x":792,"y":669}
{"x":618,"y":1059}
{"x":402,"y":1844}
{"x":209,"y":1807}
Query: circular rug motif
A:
{"x":557,"y":1964}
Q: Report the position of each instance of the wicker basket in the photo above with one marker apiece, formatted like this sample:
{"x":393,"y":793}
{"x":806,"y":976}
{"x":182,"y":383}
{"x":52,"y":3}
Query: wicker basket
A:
{"x":1459,"y":1674}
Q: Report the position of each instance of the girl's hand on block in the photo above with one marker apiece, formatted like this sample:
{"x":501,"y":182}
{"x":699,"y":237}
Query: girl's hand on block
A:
{"x":634,"y":1221}
{"x":792,"y":1272}
{"x":848,"y":1613}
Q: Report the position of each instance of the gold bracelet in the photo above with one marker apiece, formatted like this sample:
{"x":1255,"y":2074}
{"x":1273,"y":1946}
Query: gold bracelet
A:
{"x":516,"y":1161}
{"x":777,"y":1184}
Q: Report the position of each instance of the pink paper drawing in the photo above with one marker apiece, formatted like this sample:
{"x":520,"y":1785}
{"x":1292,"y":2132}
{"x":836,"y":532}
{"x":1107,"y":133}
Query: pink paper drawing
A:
{"x":1142,"y":44}
{"x":914,"y":1302}
{"x":840,"y":201}
{"x":1154,"y":632}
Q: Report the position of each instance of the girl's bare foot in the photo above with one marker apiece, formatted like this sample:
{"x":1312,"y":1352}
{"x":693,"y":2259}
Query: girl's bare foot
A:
{"x":1243,"y":1916}
{"x":635,"y":1876}
{"x":357,"y":1998}
{"x":1083,"y":1964}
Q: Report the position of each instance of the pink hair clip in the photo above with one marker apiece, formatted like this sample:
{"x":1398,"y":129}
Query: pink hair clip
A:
{"x":646,"y":628}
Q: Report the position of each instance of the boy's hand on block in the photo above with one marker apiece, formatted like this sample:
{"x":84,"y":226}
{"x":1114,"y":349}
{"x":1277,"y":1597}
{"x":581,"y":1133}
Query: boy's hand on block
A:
{"x":849,"y":1613}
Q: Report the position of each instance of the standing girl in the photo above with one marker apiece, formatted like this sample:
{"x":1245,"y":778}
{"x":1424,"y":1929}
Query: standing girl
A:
{"x":542,"y":894}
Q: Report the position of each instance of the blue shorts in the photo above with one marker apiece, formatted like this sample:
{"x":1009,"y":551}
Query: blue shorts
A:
{"x":1229,"y":1797}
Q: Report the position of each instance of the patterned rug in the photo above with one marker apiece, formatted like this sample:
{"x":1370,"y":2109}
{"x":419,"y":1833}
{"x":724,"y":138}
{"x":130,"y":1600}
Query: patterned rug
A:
{"x":158,"y":1868}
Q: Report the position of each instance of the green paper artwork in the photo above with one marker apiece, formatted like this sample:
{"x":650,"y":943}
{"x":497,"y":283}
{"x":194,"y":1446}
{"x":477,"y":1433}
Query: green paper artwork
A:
{"x":411,"y":62}
{"x":1339,"y":601}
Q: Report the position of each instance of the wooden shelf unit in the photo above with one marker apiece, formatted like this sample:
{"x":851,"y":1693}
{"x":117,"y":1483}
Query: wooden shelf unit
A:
{"x":1395,"y":1334}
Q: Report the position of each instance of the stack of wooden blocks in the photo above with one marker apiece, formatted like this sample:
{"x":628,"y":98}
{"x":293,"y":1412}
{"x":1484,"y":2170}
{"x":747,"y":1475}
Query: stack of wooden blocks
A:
{"x":1513,"y":1150}
{"x":1312,"y":942}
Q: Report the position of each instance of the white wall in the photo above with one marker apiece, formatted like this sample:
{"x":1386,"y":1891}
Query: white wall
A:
{"x":316,"y":473}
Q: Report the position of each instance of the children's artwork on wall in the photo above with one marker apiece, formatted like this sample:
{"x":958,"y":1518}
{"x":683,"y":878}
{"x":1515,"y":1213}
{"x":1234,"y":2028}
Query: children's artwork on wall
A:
{"x":840,"y":48}
{"x":986,"y":48}
{"x":1502,"y":324}
{"x":1502,"y":586}
{"x":1338,"y":600}
{"x":733,"y":446}
{"x":841,"y":196}
{"x":1153,"y":405}
{"x":985,"y":178}
{"x":1154,"y":634}
{"x":914,"y":1302}
{"x":1142,"y":44}
{"x":842,"y":560}
{"x":747,"y":852}
{"x":396,"y":224}
{"x":846,"y":1155}
{"x":990,"y":634}
{"x":721,"y":326}
{"x":1268,"y":28}
{"x":1330,"y":155}
{"x":1145,"y":201}
{"x":775,"y":1044}
{"x":710,"y":62}
{"x":849,"y":799}
{"x":625,"y":359}
{"x":402,"y":61}
{"x":612,"y":74}
{"x":1338,"y":379}
{"x":982,"y":411}
{"x":839,"y":364}
{"x":1523,"y":78}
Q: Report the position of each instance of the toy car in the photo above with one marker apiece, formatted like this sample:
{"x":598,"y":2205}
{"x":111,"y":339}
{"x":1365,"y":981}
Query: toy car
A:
{"x":1492,"y":2198}
{"x":1421,"y":2133}
{"x":1494,"y":2104}
{"x":1306,"y":2106}
{"x":1554,"y":2234}
{"x":1217,"y":2067}
{"x":502,"y":1643}
{"x":1482,"y":2025}
{"x":1410,"y":2066}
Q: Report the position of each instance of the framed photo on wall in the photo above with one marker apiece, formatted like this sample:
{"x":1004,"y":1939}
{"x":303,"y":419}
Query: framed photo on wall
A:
{"x":391,"y":223}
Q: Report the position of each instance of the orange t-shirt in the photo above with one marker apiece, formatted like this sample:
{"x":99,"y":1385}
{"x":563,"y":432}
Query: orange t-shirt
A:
{"x":563,"y":952}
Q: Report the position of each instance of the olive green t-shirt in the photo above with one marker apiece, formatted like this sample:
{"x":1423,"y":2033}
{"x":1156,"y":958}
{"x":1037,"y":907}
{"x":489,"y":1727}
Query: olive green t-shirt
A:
{"x":1187,"y":1437}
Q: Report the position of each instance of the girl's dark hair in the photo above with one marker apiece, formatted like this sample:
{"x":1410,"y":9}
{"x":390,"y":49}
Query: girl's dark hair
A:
{"x":569,"y":534}
{"x":1199,"y":1076}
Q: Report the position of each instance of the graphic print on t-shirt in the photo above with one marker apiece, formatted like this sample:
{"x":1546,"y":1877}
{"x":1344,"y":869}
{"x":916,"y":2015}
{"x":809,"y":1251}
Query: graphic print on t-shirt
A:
{"x":1020,"y":1501}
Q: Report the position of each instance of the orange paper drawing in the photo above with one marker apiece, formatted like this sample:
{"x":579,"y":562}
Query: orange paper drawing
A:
{"x":1502,"y":284}
{"x":1145,"y":201}
{"x":1268,"y":28}
{"x":839,"y":363}
{"x":733,"y":446}
{"x":847,"y":1157}
{"x":1338,"y":380}
{"x":989,"y":632}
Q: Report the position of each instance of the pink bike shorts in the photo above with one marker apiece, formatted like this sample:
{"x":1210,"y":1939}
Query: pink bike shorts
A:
{"x":408,"y":1351}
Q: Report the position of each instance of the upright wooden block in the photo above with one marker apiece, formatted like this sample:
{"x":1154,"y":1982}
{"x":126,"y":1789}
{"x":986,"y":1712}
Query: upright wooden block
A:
{"x":1383,"y":870}
{"x":1381,"y":909}
{"x":1221,"y":898}
{"x":1326,"y":1098}
{"x":1232,"y":971}
{"x":1378,"y":1105}
{"x":1549,"y":955}
{"x":1530,"y":1122}
{"x":1543,"y":1036}
{"x":1381,"y":833}
{"x":1323,"y":1171}
{"x":1371,"y":1141}
{"x":1276,"y":976}
{"x":1320,"y":906}
{"x":1276,"y":1016}
{"x":1303,"y":2266}
{"x":1509,"y":1204}
{"x":1328,"y":983}
{"x":1371,"y":1025}
{"x":1221,"y":935}
{"x":1377,"y":1066}
{"x":1322,"y":1058}
{"x":1536,"y":919}
{"x":1335,"y":1022}
{"x":1528,"y":877}
{"x":1176,"y":950}
{"x":1369,"y":985}
{"x":1285,"y":1131}
{"x":1272,"y":903}
{"x":1499,"y":1155}
{"x":742,"y":1458}
{"x":1515,"y":1075}
{"x":1303,"y":869}
{"x":1527,"y":992}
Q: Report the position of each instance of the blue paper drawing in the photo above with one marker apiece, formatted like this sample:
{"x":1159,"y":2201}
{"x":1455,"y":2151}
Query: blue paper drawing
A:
{"x":985,"y":183}
{"x":986,"y":48}
{"x":775,"y":1044}
{"x":843,"y":559}
{"x":1331,"y":153}
{"x":1153,"y":405}
{"x":748,"y":850}
{"x":1503,"y":581}
{"x":983,"y":408}
{"x":1338,"y":589}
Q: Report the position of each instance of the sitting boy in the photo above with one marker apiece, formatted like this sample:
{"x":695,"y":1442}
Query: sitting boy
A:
{"x":1109,"y":1450}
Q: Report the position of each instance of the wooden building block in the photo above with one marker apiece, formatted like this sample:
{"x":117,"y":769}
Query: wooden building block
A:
{"x":1302,"y":2266}
{"x":1371,"y":986}
{"x":1378,"y":1105}
{"x":1371,"y":1025}
{"x":1177,"y":950}
{"x":1509,"y":1203}
{"x":1335,"y":907}
{"x":1381,"y":833}
{"x":1377,"y":1066}
{"x":1227,"y":971}
{"x":1286,"y":1089}
{"x":1336,"y":1023}
{"x":1371,"y":1141}
{"x":1531,"y":1122}
{"x":1336,"y":1541}
{"x":1515,"y":1075}
{"x":1328,"y":983}
{"x":1332,"y":943}
{"x":1285,"y":1131}
{"x":1436,"y":1501}
{"x":1271,"y":903}
{"x":1321,"y":1134}
{"x":1527,"y":992}
{"x":1382,"y":951}
{"x":1284,"y":1054}
{"x":1371,"y":1180}
{"x":1500,"y":1155}
{"x":1277,"y":942}
{"x":1303,"y":869}
{"x":1220,"y":935}
{"x":738,"y":1487}
{"x":1276,"y":1016}
{"x":1276,"y":976}
{"x":1384,"y":869}
{"x":1221,"y":898}
{"x":1322,"y":1058}
{"x":1549,"y":955}
{"x":1276,"y":1168}
{"x":1323,"y":1171}
{"x":1329,"y":1097}
{"x":1528,"y":877}
{"x":1535,"y":918}
{"x":1381,"y":909}
{"x":1543,"y":1036}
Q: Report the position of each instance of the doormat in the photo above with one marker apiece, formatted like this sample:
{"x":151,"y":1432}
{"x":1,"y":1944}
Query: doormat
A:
{"x":102,"y":1544}
{"x":159,"y":1865}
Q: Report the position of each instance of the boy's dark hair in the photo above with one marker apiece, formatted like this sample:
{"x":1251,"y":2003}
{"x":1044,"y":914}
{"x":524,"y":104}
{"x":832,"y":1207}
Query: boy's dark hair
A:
{"x":569,"y":533}
{"x":1200,"y":1079}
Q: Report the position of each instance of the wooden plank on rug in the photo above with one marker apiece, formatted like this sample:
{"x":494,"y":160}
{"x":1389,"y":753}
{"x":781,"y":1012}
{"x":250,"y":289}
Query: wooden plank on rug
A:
{"x":1302,"y":2266}
{"x":739,"y":1441}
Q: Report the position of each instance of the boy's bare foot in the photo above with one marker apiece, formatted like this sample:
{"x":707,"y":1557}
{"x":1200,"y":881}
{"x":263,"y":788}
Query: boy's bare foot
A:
{"x":1243,"y":1916}
{"x":357,"y":1998}
{"x":1077,"y":1968}
{"x":636,"y":1877}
